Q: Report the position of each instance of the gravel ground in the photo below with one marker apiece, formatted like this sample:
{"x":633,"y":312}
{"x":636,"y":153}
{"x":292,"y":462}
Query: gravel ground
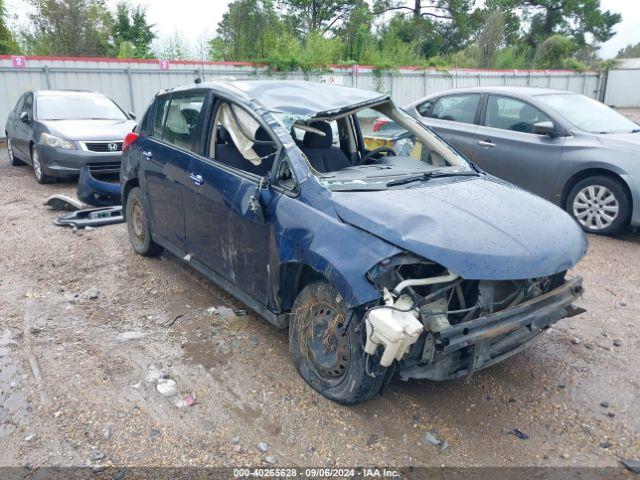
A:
{"x":86,"y":328}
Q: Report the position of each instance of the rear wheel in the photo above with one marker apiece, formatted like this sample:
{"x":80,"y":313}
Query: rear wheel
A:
{"x":138,"y":225}
{"x":38,"y":169}
{"x":600,"y":205}
{"x":327,"y":346}
{"x":13,"y":160}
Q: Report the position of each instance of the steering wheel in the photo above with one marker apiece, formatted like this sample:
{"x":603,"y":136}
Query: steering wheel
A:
{"x":389,"y":150}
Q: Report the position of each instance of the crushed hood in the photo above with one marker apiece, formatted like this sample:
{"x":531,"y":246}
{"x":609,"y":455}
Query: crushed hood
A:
{"x":90,"y":129}
{"x":480,"y":229}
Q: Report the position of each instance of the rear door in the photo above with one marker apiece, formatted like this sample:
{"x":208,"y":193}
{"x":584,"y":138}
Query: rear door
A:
{"x":505,"y":145}
{"x":166,"y":161}
{"x":453,"y":117}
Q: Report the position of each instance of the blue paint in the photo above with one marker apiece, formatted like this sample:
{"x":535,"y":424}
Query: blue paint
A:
{"x":480,"y":228}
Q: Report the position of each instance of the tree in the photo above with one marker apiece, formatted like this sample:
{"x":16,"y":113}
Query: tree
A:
{"x":7,"y":42}
{"x":70,"y":28}
{"x":173,"y":47}
{"x":310,"y":16}
{"x":131,"y":32}
{"x":490,"y":40}
{"x":630,"y":51}
{"x":248,"y":31}
{"x":577,"y":19}
{"x":555,"y":52}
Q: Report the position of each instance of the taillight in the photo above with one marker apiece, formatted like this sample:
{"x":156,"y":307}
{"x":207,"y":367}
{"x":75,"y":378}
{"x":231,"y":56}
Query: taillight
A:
{"x":129,"y":140}
{"x":379,"y":124}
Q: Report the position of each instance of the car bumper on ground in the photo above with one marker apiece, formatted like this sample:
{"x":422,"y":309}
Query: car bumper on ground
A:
{"x":60,"y":162}
{"x":480,"y":343}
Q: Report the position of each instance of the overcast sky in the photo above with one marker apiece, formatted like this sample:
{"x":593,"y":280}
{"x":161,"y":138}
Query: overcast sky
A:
{"x":194,"y":19}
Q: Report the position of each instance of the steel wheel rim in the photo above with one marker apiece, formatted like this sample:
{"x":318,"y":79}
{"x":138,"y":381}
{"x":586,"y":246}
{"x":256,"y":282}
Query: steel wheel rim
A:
{"x":37,"y":167}
{"x":327,"y":347}
{"x":9,"y":150}
{"x":138,"y":223}
{"x":596,"y":207}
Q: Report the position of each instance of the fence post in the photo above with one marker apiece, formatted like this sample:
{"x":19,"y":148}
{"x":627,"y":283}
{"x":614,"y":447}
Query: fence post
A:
{"x":426,"y":81}
{"x":46,"y":76}
{"x":133,"y":106}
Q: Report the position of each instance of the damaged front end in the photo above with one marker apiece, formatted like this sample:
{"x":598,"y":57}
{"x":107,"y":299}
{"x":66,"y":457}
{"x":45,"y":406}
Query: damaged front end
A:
{"x":440,"y":326}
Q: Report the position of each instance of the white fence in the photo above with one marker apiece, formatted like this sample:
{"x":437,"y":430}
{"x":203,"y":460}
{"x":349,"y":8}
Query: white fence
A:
{"x":622,"y":88}
{"x":132,"y":83}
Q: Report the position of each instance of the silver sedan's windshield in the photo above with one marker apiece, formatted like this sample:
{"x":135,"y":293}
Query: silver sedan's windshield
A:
{"x":587,"y":114}
{"x":77,"y":107}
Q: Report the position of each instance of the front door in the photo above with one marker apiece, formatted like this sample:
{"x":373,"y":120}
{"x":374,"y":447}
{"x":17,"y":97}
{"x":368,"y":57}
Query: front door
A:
{"x":505,"y":145}
{"x":223,"y":230}
{"x":24,"y":129}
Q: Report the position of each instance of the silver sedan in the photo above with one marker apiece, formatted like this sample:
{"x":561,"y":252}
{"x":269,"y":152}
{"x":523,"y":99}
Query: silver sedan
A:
{"x":570,"y":149}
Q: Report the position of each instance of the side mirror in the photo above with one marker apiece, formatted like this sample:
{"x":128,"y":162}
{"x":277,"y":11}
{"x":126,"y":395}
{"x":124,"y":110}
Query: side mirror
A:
{"x":24,"y":117}
{"x":545,"y":128}
{"x":132,"y":115}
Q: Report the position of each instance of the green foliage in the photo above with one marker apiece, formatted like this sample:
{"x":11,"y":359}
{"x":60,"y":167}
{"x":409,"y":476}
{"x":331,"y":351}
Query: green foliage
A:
{"x":7,"y":43}
{"x":69,"y":28}
{"x":555,"y":52}
{"x":131,"y":33}
{"x":311,"y":34}
{"x":630,"y":51}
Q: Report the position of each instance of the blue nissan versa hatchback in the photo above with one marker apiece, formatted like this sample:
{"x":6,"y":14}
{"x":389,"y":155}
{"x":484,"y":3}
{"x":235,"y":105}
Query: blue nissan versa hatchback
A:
{"x":403,"y":259}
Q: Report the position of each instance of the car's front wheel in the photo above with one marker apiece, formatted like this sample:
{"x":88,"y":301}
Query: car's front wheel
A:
{"x":38,"y":169}
{"x":139,"y":226}
{"x":13,"y":160}
{"x":600,"y":205}
{"x":327,"y":346}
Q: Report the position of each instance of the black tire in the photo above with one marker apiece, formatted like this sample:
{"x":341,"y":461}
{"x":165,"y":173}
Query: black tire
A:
{"x":13,"y":160}
{"x":600,"y":205}
{"x":333,"y":363}
{"x":139,"y":226}
{"x":38,"y":168}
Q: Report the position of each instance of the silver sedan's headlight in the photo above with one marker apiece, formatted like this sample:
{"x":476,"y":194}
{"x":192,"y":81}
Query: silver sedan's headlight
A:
{"x":57,"y":142}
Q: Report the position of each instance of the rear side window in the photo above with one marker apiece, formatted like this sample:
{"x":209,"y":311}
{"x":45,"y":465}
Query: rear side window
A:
{"x":456,"y":108}
{"x":28,"y":103}
{"x":512,"y":114}
{"x":159,"y":115}
{"x":184,"y":116}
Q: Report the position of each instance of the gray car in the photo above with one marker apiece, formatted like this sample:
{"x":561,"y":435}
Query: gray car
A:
{"x":567,"y":148}
{"x":59,"y":131}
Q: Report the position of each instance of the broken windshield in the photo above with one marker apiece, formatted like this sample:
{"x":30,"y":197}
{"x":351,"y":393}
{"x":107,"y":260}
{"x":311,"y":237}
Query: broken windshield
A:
{"x":372,"y":148}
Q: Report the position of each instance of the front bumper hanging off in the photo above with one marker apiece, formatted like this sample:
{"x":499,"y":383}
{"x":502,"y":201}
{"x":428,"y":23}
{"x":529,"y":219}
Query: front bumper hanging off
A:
{"x":477,"y":344}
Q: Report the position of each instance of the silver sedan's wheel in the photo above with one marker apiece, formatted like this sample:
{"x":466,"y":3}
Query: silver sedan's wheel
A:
{"x":600,"y":204}
{"x":13,"y":160}
{"x":10,"y":151}
{"x":38,"y":169}
{"x":37,"y":166}
{"x":596,"y":207}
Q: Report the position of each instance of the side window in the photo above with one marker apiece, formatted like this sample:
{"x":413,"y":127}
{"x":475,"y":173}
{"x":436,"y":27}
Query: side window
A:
{"x":509,"y":113}
{"x":159,"y":114}
{"x":456,"y":108}
{"x":28,"y":104}
{"x":241,"y":142}
{"x":183,"y":119}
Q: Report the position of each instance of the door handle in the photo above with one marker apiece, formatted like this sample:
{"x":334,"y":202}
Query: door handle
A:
{"x":147,"y":155}
{"x":486,"y":143}
{"x":196,"y":179}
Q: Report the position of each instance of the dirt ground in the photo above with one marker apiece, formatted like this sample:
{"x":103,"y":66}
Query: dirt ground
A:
{"x":87,"y":326}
